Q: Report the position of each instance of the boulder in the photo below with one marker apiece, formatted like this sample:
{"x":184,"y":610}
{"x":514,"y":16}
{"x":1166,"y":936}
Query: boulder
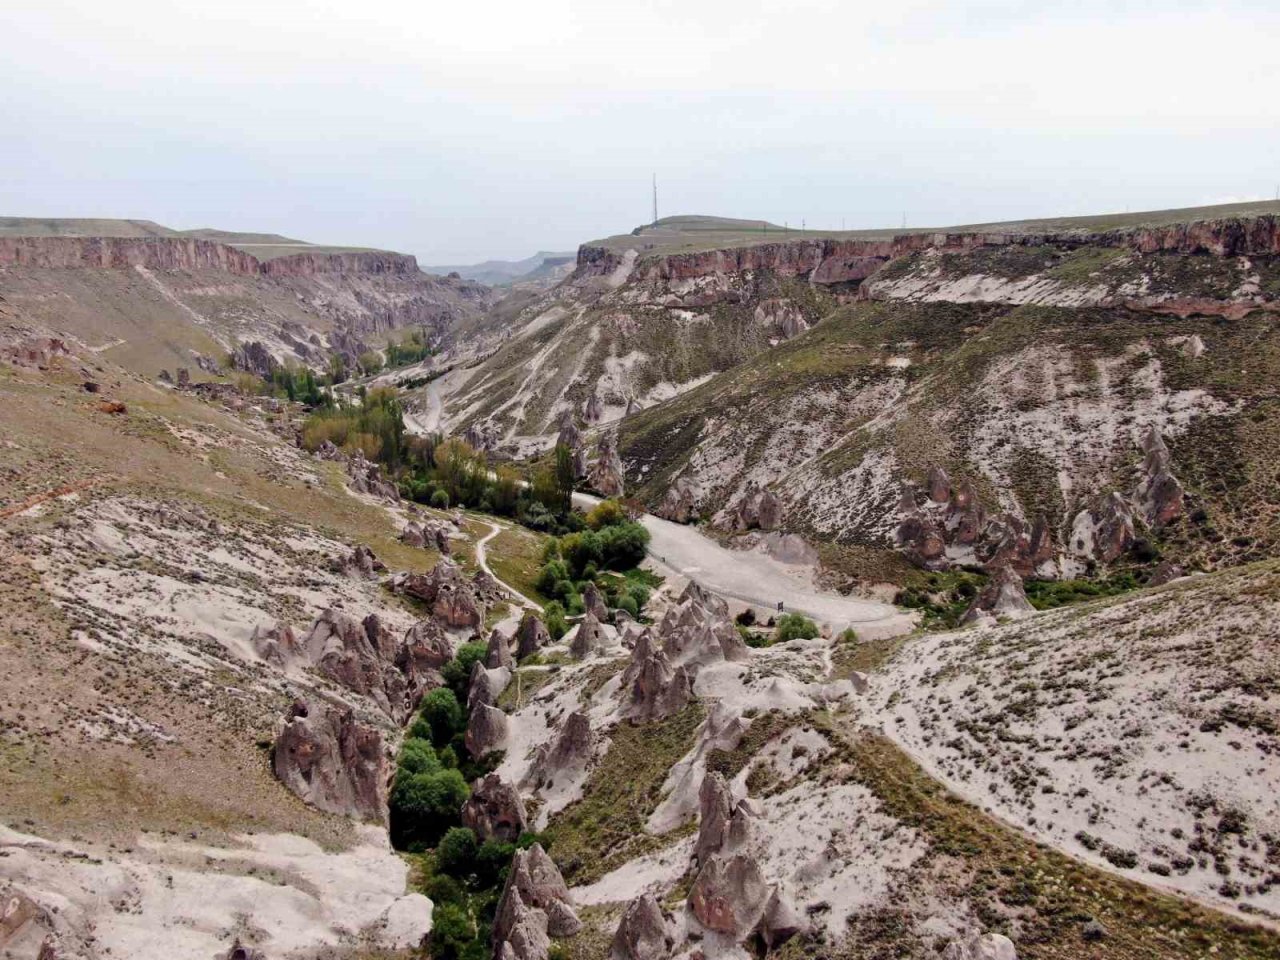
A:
{"x":642,"y":933}
{"x":679,"y":504}
{"x":922,"y":539}
{"x":989,"y":946}
{"x":332,"y":762}
{"x":594,"y":603}
{"x":276,"y":644}
{"x":366,"y":477}
{"x":729,"y":895}
{"x":486,"y":730}
{"x":531,"y":636}
{"x":498,"y":653}
{"x":494,"y":810}
{"x":412,"y":535}
{"x":757,"y":508}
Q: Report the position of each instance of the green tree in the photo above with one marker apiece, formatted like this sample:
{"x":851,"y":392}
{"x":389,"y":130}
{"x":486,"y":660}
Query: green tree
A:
{"x":794,"y":626}
{"x":564,"y":478}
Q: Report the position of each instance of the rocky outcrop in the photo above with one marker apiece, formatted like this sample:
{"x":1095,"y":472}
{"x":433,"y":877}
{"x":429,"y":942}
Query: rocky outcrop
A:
{"x":363,"y":657}
{"x":448,"y":593}
{"x":757,"y":508}
{"x":429,"y":535}
{"x":332,"y":761}
{"x":593,"y":409}
{"x":729,"y":895}
{"x":593,"y":603}
{"x":361,"y":563}
{"x":494,"y":810}
{"x":642,"y":934}
{"x":724,"y":825}
{"x":254,"y":357}
{"x":426,"y":649}
{"x":535,"y":905}
{"x":239,"y":951}
{"x":498,"y":653}
{"x":486,"y":730}
{"x":39,"y":353}
{"x":1159,"y":492}
{"x":989,"y":946}
{"x":366,"y":477}
{"x":781,"y":920}
{"x":697,"y":630}
{"x":922,"y":539}
{"x":1003,"y":598}
{"x":653,"y":688}
{"x":679,"y":504}
{"x":588,"y":638}
{"x":1105,"y":531}
{"x":607,"y":476}
{"x":531,"y":635}
{"x":486,"y":685}
{"x":569,"y":754}
{"x":277,"y":644}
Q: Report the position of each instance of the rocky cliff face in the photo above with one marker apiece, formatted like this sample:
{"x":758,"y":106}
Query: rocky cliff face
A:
{"x":164,"y":302}
{"x":1045,"y":376}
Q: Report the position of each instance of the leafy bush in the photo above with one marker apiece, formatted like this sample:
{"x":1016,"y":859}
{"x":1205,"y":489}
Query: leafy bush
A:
{"x":553,"y":618}
{"x":794,"y":626}
{"x":606,"y":513}
{"x":628,"y":603}
{"x":424,"y":805}
{"x":440,"y":500}
{"x":452,"y":930}
{"x":443,"y":715}
{"x":418,"y":756}
{"x":456,"y":852}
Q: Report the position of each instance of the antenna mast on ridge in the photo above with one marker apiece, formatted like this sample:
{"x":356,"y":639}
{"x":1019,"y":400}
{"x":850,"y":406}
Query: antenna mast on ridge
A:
{"x":655,"y":198}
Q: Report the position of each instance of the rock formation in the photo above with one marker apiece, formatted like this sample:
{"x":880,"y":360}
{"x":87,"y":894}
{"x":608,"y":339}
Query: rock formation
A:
{"x":360,"y":563}
{"x":494,"y":810}
{"x":1104,"y":531}
{"x":606,"y":476}
{"x":989,"y":946}
{"x":276,"y":644}
{"x":757,"y":508}
{"x":679,"y":504}
{"x":332,"y":762}
{"x":363,"y":657}
{"x":724,"y":826}
{"x":486,"y":730}
{"x":535,"y":904}
{"x":697,"y":630}
{"x":729,"y":894}
{"x":1159,"y":493}
{"x":642,"y":933}
{"x":569,"y":754}
{"x":449,"y":594}
{"x":486,"y":685}
{"x":781,"y":920}
{"x":652,"y":686}
{"x":429,"y":535}
{"x":366,"y":477}
{"x":593,"y":603}
{"x":531,"y":636}
{"x":588,"y":638}
{"x":498,"y":653}
{"x":1003,"y":598}
{"x":426,"y":649}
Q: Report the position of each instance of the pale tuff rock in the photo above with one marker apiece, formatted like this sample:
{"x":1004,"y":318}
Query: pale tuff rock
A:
{"x":494,"y":810}
{"x":729,"y":895}
{"x":486,"y":685}
{"x":17,"y":910}
{"x":1007,"y":542}
{"x":593,"y":603}
{"x":652,"y":687}
{"x":361,"y":656}
{"x":498,"y":653}
{"x":939,"y":484}
{"x":239,"y":951}
{"x":588,"y":637}
{"x":789,"y":548}
{"x":1003,"y":598}
{"x":277,"y":644}
{"x":38,"y":352}
{"x":782,"y":315}
{"x":361,"y":562}
{"x":570,"y":752}
{"x":642,"y":933}
{"x":486,"y":730}
{"x":332,"y":762}
{"x":697,"y":630}
{"x":757,"y":508}
{"x":486,"y":588}
{"x":483,"y":435}
{"x":446,"y":590}
{"x":531,"y":636}
{"x":724,"y":826}
{"x":722,"y":729}
{"x":535,"y":903}
{"x":427,"y":648}
{"x":989,"y":946}
{"x":593,"y":409}
{"x":679,"y":504}
{"x":428,"y":535}
{"x":606,"y":476}
{"x":1159,"y":492}
{"x":366,"y":477}
{"x":781,"y":920}
{"x":1105,"y":531}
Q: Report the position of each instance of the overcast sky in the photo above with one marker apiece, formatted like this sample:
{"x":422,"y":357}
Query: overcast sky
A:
{"x":465,"y":131}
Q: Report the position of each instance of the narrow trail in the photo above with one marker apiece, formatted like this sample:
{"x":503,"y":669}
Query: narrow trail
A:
{"x":483,"y":562}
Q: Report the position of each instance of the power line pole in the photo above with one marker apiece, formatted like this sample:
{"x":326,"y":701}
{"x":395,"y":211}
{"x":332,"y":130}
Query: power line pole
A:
{"x":655,"y":197}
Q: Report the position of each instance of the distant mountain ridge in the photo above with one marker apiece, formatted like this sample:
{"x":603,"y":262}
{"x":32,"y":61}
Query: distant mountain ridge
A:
{"x":502,"y":272}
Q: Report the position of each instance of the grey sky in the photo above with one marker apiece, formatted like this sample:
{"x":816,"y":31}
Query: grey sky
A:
{"x":461,"y":132}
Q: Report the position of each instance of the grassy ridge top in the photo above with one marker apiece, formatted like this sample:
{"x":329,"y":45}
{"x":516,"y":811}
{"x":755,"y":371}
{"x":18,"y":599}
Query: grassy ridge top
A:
{"x":263,"y":246}
{"x":692,"y":234}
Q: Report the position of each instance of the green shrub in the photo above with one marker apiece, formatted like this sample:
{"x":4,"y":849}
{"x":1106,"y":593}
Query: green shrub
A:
{"x":452,"y":930}
{"x":440,"y":500}
{"x":794,"y":626}
{"x":628,"y":603}
{"x":442,"y":712}
{"x":418,"y":756}
{"x":442,"y":888}
{"x":424,"y":805}
{"x":457,"y":672}
{"x":553,"y":618}
{"x":606,"y":513}
{"x":456,"y":852}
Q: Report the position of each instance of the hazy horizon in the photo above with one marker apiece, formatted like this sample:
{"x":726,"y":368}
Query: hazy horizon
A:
{"x":459,"y":140}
